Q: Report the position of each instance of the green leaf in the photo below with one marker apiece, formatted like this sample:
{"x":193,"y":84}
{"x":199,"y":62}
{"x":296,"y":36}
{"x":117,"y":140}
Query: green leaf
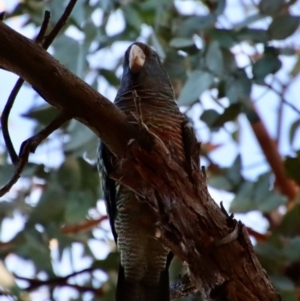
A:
{"x":78,"y":202}
{"x":270,"y":7}
{"x":291,"y":250}
{"x":6,"y":172}
{"x":78,"y":12}
{"x":296,"y":69}
{"x":221,"y":4}
{"x":33,"y":245}
{"x":82,"y":140}
{"x":229,"y":114}
{"x":111,"y":262}
{"x":214,"y":59}
{"x":234,"y":173}
{"x":250,"y":19}
{"x":44,"y":114}
{"x":51,"y":206}
{"x":230,"y":65}
{"x":155,"y":41}
{"x":238,"y":87}
{"x":6,"y":209}
{"x":132,"y":17}
{"x":283,"y":26}
{"x":195,"y":24}
{"x":291,"y":221}
{"x":269,"y":250}
{"x":220,"y":182}
{"x":67,"y":52}
{"x":197,"y":82}
{"x":181,"y":42}
{"x":292,"y":167}
{"x":285,"y":286}
{"x":268,"y":64}
{"x":110,"y":76}
{"x":209,"y":117}
{"x":257,"y":196}
{"x":215,"y":121}
{"x":69,"y":175}
{"x":294,"y":127}
{"x":89,"y":177}
{"x":252,"y":35}
{"x":242,"y":201}
{"x":226,"y":38}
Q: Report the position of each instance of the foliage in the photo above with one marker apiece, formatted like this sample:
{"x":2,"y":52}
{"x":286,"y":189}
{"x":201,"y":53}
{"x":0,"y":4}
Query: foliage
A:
{"x":224,"y":69}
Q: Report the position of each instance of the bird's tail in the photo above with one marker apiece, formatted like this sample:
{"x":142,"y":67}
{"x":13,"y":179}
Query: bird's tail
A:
{"x":139,"y":291}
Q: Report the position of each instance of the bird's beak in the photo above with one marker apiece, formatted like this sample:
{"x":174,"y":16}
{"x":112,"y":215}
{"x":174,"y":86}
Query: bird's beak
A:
{"x":136,"y":58}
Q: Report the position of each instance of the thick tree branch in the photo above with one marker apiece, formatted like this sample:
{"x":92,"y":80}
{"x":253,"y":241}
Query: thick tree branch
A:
{"x":190,"y":222}
{"x":64,"y":90}
{"x":286,"y":186}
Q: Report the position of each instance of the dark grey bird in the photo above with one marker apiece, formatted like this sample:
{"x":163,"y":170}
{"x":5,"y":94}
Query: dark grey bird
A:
{"x":143,"y":273}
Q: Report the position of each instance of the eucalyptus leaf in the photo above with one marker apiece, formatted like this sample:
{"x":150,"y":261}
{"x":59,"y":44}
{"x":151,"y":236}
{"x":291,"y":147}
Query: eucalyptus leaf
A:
{"x":214,"y":59}
{"x":43,"y":114}
{"x":67,"y":52}
{"x":197,"y":82}
{"x":238,"y":88}
{"x":209,"y":117}
{"x":181,"y":42}
{"x":292,"y":167}
{"x":257,"y":196}
{"x":283,"y":26}
{"x":195,"y":24}
{"x":293,"y":130}
{"x":268,"y":64}
{"x":270,"y":7}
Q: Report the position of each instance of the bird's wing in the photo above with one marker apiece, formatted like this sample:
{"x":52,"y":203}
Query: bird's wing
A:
{"x":108,"y":185}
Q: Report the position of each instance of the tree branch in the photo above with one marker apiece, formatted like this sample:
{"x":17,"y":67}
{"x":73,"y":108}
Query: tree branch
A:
{"x":10,"y":102}
{"x":64,"y":90}
{"x":61,"y":281}
{"x":286,"y":186}
{"x":190,"y":222}
{"x":30,"y":145}
{"x":83,"y":227}
{"x":20,"y":161}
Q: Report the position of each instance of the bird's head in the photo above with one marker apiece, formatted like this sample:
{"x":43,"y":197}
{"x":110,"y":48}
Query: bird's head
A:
{"x":143,"y":68}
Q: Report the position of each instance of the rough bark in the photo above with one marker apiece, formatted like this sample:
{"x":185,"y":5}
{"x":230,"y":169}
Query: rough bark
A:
{"x":191,"y":223}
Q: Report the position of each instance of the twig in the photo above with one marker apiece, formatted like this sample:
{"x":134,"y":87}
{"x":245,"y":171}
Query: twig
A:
{"x":41,"y":34}
{"x":30,"y":145}
{"x":62,"y":281}
{"x":20,"y":162}
{"x":258,"y":236}
{"x":180,"y":288}
{"x":291,"y":106}
{"x":59,"y":281}
{"x":2,"y":15}
{"x":279,"y":121}
{"x":83,"y":227}
{"x":4,"y":121}
{"x":11,"y":99}
{"x":60,"y":23}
